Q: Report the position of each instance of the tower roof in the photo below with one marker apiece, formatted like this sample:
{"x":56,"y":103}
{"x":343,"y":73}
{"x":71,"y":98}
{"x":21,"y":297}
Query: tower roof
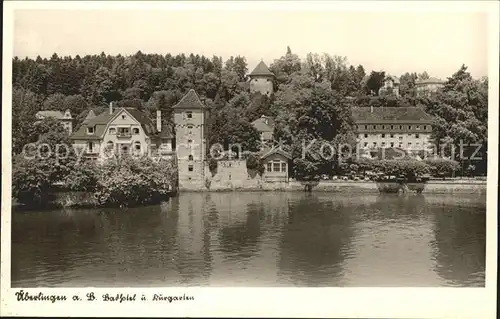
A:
{"x":190,"y":101}
{"x":261,"y":69}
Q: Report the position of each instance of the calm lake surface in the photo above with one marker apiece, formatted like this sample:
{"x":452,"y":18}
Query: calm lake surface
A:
{"x":257,"y":239}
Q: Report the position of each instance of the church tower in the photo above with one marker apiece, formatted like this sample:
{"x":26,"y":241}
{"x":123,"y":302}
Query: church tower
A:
{"x":261,"y":79}
{"x":190,"y":118}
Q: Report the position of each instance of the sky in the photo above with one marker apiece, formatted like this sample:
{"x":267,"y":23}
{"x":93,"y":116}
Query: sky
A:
{"x":394,"y":42}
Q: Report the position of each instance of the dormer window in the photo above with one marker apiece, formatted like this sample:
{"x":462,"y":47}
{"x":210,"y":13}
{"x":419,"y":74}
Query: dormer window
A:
{"x":90,"y":130}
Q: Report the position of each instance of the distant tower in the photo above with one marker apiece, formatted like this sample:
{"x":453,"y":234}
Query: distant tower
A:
{"x":190,"y":118}
{"x":261,"y":79}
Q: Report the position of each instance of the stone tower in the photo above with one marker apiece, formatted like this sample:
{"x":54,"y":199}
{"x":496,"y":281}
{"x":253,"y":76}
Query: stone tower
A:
{"x":190,"y":118}
{"x":261,"y":79}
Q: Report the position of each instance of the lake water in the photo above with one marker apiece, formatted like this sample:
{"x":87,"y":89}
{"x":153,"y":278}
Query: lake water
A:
{"x":257,"y":239}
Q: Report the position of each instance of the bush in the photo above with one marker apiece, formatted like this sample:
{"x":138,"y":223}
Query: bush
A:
{"x":408,"y":168}
{"x":254,"y":162}
{"x":442,"y":166}
{"x":129,"y":181}
{"x":31,"y":184}
{"x":83,"y":177}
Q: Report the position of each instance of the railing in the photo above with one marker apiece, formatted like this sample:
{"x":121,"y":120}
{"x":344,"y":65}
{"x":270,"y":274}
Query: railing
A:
{"x":123,"y":134}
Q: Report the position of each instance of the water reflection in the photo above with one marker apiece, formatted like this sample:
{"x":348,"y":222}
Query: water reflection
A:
{"x":256,"y":239}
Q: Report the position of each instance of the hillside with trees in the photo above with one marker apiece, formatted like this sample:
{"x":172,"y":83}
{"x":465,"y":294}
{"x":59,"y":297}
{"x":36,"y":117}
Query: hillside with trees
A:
{"x":313,"y":97}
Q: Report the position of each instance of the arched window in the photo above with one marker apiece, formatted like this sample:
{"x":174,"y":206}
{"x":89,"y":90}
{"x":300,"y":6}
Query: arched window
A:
{"x":135,"y":130}
{"x":190,"y":157}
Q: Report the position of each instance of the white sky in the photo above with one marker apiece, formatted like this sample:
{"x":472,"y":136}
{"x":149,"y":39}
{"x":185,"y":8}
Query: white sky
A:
{"x":396,"y":42}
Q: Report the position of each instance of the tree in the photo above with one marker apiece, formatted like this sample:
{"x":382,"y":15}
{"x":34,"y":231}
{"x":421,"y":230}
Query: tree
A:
{"x":25,"y":104}
{"x":374,"y":82}
{"x":54,"y":102}
{"x":48,"y":161}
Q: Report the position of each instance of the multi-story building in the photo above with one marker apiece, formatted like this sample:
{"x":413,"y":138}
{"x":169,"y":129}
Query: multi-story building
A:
{"x":408,"y":128}
{"x":261,"y":79}
{"x":428,"y":86}
{"x":120,"y":131}
{"x":65,"y":118}
{"x":190,"y":118}
{"x":390,"y":86}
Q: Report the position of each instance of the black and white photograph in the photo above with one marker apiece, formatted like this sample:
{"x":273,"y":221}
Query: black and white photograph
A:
{"x":173,"y":146}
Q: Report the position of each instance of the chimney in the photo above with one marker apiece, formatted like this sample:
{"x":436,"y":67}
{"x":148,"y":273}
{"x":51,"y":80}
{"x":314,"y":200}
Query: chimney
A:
{"x":158,"y":120}
{"x":110,"y":107}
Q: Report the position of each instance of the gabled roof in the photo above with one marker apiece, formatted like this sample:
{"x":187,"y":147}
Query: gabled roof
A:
{"x":55,"y":114}
{"x":409,"y":114}
{"x":90,"y":115}
{"x":275,"y":150}
{"x":101,"y":121}
{"x":261,"y":69}
{"x":190,"y":101}
{"x":261,"y":126}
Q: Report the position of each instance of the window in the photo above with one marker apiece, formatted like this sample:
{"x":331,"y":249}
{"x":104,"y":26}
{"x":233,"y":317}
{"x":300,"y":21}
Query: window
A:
{"x":409,"y":144}
{"x":392,"y":135}
{"x":400,"y":144}
{"x":418,"y":144}
{"x":383,"y":144}
{"x":365,"y":144}
{"x":109,"y":145}
{"x":123,"y":131}
{"x":276,"y":167}
{"x":123,"y":117}
{"x":417,"y":135}
{"x":409,"y":127}
{"x":190,"y":168}
{"x":189,"y":115}
{"x":374,"y":127}
{"x":137,"y":146}
{"x":90,"y":130}
{"x":269,"y":167}
{"x":190,"y":141}
{"x":392,"y":144}
{"x":91,"y":147}
{"x":392,"y":127}
{"x":383,"y":135}
{"x":418,"y":127}
{"x":366,"y":127}
{"x":283,"y":167}
{"x":135,"y":130}
{"x":401,"y":127}
{"x":124,"y":149}
{"x":190,"y":157}
{"x":425,"y":127}
{"x":400,"y":138}
{"x":112,"y":131}
{"x":374,"y":144}
{"x":383,"y":126}
{"x":366,"y":135}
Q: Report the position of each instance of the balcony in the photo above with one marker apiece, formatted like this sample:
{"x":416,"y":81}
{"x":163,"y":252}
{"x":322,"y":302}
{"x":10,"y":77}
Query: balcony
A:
{"x":123,"y":134}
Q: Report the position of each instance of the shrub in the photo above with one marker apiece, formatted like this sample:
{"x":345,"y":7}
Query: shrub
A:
{"x":254,"y":162}
{"x":83,"y":177}
{"x":31,"y":184}
{"x":129,"y":181}
{"x":442,"y":166}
